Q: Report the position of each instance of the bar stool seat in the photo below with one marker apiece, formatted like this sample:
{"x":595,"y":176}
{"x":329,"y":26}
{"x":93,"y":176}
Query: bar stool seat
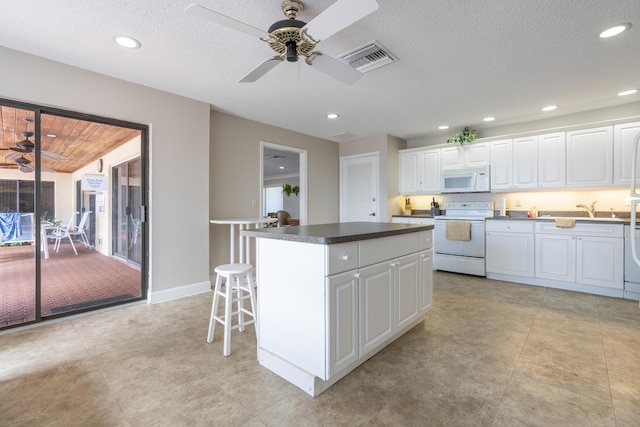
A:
{"x":238,"y":288}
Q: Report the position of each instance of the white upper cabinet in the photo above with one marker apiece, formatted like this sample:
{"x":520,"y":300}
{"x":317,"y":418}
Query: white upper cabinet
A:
{"x":514,"y":164}
{"x":501,"y":165}
{"x":419,"y":172}
{"x":590,"y":158}
{"x":552,"y":160}
{"x":623,"y":137}
{"x":466,"y":156}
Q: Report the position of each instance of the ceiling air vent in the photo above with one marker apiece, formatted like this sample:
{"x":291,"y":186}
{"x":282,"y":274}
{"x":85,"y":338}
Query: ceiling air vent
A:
{"x":344,"y":136}
{"x":368,"y":57}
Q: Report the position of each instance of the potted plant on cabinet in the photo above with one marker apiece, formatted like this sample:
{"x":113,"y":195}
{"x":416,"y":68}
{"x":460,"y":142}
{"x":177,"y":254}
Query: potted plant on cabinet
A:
{"x":466,"y":136}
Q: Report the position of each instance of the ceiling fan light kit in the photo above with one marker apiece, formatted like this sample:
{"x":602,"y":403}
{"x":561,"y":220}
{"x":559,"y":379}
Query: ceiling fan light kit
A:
{"x":291,"y":38}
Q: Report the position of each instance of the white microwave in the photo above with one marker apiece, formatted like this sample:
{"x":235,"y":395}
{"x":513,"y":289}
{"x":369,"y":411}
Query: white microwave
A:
{"x":468,"y":180}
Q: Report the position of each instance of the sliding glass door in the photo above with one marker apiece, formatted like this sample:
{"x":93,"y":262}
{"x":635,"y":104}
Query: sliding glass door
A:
{"x":127,"y":211}
{"x":58,"y":202}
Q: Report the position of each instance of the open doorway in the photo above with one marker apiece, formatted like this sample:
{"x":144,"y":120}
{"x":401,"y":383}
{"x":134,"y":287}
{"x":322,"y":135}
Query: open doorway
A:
{"x":283,"y":166}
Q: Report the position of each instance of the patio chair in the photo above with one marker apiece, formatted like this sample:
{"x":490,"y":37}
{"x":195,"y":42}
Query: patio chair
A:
{"x":62,"y":232}
{"x":79,"y":230}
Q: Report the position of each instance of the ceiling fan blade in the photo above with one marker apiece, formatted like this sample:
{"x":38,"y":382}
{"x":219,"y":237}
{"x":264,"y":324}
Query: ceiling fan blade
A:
{"x":50,"y":155}
{"x":338,"y":16}
{"x":336,"y":69}
{"x":261,"y":69}
{"x":220,"y":19}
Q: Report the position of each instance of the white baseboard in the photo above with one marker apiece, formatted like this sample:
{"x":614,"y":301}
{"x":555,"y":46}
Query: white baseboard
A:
{"x":178,"y":292}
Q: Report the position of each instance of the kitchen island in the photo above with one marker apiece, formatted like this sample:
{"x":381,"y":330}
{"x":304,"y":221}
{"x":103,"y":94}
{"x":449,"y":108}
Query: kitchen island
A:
{"x":330,"y":296}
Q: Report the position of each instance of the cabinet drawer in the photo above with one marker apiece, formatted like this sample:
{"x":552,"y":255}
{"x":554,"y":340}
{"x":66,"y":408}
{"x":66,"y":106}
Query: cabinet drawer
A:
{"x":373,"y":251}
{"x":426,"y":240}
{"x":583,"y":228}
{"x":341,"y":257}
{"x":522,"y":226}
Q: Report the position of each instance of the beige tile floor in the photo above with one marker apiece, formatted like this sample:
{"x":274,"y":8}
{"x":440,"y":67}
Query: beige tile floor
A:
{"x":489,"y":354}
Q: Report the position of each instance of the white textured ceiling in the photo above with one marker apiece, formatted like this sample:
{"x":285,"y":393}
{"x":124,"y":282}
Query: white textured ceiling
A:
{"x":458,"y":60}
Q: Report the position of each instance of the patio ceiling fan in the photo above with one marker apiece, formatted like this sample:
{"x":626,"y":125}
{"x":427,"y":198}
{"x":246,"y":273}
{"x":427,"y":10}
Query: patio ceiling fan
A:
{"x":291,"y":38}
{"x":23,"y":165}
{"x":26,"y":147}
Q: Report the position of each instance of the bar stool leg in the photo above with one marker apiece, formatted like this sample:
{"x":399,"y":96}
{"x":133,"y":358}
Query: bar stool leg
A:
{"x":227,"y":316}
{"x":240,"y":302}
{"x":214,"y":308}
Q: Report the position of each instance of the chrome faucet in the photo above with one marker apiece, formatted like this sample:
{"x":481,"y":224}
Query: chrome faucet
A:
{"x":591,"y":210}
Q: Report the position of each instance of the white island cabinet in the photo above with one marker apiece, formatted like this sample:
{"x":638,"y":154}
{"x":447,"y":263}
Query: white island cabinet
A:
{"x":330,"y":296}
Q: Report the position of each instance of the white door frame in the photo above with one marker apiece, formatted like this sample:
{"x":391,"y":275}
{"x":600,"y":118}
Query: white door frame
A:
{"x":376,"y":185}
{"x":302,"y":196}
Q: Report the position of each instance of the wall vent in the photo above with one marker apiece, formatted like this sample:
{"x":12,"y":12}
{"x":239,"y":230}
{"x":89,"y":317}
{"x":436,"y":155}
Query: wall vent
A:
{"x":368,"y":57}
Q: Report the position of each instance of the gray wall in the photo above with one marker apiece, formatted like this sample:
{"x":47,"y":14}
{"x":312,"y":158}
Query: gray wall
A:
{"x":235,"y":179}
{"x":179,"y":127}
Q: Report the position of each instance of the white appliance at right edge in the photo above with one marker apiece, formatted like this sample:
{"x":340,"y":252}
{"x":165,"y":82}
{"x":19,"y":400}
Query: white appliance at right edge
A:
{"x":633,"y":230}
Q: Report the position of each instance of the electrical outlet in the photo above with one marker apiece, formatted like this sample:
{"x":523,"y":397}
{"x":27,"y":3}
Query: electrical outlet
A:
{"x":254,"y":203}
{"x":518,"y":203}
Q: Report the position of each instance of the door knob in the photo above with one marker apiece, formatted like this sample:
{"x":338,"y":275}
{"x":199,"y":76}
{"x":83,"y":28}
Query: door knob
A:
{"x":372,"y":214}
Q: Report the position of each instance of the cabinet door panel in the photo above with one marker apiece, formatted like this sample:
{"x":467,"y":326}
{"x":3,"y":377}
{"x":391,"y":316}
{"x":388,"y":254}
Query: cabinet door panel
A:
{"x":623,"y":137}
{"x":452,"y":157}
{"x":556,"y":257}
{"x":426,"y":269}
{"x":477,"y":155}
{"x":409,"y":169}
{"x":552,"y":160}
{"x":510,"y":253}
{"x":407,"y":299}
{"x":343,"y":345}
{"x":525,"y":162}
{"x":600,"y":262}
{"x":501,"y":165}
{"x":430,"y":171}
{"x":590,"y":157}
{"x":376,"y":305}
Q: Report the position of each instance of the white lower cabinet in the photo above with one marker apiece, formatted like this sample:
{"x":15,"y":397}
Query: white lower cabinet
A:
{"x":510,"y":248}
{"x":587,"y":258}
{"x":369,"y":306}
{"x":588,"y":254}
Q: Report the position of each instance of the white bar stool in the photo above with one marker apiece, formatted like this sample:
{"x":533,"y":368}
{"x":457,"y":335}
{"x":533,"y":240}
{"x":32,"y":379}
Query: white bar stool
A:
{"x":238,"y":288}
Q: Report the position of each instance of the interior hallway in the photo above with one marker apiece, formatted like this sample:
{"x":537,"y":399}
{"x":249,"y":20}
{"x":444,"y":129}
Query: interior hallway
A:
{"x":489,"y":354}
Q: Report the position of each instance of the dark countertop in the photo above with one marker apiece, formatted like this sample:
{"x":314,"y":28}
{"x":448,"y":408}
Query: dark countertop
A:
{"x":412,"y":216}
{"x":598,"y":220}
{"x":330,"y":234}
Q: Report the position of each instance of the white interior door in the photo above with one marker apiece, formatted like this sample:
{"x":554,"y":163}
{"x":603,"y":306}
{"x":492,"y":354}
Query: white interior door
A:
{"x":359,"y":188}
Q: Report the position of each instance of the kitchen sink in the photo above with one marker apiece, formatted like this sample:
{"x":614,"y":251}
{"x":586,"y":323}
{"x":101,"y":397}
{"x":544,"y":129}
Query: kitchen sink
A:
{"x":584,"y":218}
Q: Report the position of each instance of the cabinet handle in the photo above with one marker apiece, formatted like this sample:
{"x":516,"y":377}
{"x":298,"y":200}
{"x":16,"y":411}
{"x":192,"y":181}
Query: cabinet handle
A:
{"x":345,"y":257}
{"x":357,"y":275}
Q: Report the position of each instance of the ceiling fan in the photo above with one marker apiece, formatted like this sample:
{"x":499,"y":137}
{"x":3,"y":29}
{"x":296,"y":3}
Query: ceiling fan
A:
{"x":23,"y":165}
{"x":291,"y":38}
{"x":27,"y":147}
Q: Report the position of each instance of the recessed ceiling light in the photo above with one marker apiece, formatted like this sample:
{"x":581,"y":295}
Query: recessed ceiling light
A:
{"x":281,"y":167}
{"x":549,"y":108}
{"x":443,"y":127}
{"x":128,"y":42}
{"x":332,"y":116}
{"x":50,"y":135}
{"x":488,"y":119}
{"x":627,"y":92}
{"x":614,"y":31}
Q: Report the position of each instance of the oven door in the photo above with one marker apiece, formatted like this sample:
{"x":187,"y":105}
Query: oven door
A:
{"x":469,"y":248}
